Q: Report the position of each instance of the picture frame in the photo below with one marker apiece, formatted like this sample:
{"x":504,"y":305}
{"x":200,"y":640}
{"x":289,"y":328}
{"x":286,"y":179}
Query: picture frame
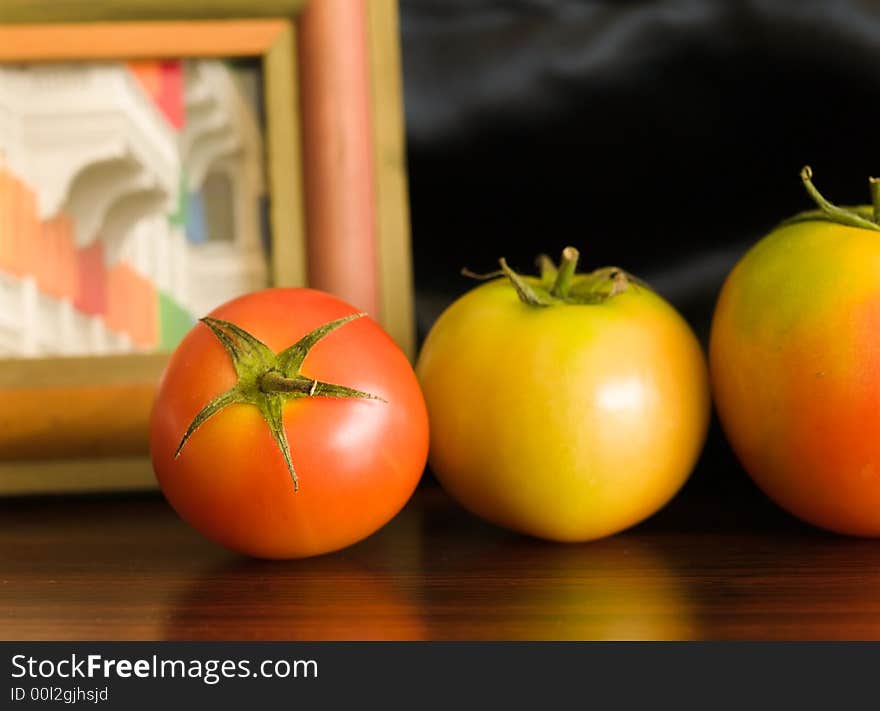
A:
{"x":79,"y":424}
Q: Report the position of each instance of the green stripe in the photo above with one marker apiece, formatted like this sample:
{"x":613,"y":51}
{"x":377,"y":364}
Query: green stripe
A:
{"x":174,"y":322}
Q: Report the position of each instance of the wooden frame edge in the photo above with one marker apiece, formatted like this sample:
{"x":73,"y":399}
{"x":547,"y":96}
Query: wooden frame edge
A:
{"x":79,"y":476}
{"x":55,"y":11}
{"x":284,"y":163}
{"x":138,"y":40}
{"x":393,"y":238}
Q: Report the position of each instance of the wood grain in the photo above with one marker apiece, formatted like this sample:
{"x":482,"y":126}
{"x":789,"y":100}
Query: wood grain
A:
{"x":127,"y":568}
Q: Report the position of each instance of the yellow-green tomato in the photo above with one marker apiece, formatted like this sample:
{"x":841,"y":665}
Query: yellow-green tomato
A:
{"x":568,"y":407}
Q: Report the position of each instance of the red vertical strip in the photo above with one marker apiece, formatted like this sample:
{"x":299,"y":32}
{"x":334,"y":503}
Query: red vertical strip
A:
{"x":171,"y":92}
{"x":92,"y":277}
{"x":338,"y":151}
{"x":163,"y":82}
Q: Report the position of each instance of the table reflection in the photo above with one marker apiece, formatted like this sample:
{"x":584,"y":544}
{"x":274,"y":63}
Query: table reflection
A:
{"x":505,"y":586}
{"x":129,"y":569}
{"x":333,"y":597}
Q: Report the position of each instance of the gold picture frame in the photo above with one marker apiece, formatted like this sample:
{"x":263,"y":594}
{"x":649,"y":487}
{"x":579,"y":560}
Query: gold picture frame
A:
{"x":79,"y":424}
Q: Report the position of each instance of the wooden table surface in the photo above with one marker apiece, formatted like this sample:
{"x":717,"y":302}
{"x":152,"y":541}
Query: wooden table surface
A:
{"x":127,"y":568}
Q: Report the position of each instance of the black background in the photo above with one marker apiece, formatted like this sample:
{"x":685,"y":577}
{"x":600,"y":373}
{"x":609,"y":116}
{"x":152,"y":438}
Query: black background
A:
{"x":663,"y":137}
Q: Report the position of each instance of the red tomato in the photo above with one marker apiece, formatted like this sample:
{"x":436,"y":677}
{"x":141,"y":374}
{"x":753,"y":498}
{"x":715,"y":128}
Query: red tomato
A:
{"x":352,"y":414}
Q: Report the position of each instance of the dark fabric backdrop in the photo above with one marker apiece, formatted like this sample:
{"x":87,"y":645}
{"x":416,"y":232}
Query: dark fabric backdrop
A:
{"x":663,"y":137}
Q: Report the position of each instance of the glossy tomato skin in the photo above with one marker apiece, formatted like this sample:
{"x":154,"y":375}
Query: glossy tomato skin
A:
{"x":795,"y":363}
{"x":358,"y":461}
{"x":567,"y":422}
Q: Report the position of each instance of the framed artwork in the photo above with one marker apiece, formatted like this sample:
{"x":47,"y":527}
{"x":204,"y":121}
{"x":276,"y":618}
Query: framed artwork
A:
{"x":132,"y":199}
{"x":157,"y":160}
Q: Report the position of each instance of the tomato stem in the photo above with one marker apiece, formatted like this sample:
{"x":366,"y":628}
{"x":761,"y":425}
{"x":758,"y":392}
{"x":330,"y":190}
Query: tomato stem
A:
{"x":268,"y":380}
{"x":874,"y":184}
{"x":274,"y":382}
{"x":562,"y":285}
{"x":567,"y":268}
{"x":525,"y":292}
{"x":840,"y":215}
{"x":547,"y":269}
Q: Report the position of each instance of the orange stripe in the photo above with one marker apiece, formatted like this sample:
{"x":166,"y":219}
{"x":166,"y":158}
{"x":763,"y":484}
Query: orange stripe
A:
{"x":15,"y":226}
{"x":5,"y":219}
{"x":71,"y":288}
{"x":132,"y":306}
{"x":29,"y":246}
{"x":148,"y":74}
{"x":40,"y":245}
{"x":25,"y":229}
{"x":139,"y":40}
{"x":146,"y":315}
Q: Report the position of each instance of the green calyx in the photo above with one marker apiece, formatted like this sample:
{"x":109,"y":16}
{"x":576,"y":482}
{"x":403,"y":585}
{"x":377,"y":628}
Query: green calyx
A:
{"x":269,"y":380}
{"x":866,"y":217}
{"x":562,"y":284}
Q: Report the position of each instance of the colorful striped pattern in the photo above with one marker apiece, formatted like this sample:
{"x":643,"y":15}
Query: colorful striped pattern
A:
{"x":127,"y":301}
